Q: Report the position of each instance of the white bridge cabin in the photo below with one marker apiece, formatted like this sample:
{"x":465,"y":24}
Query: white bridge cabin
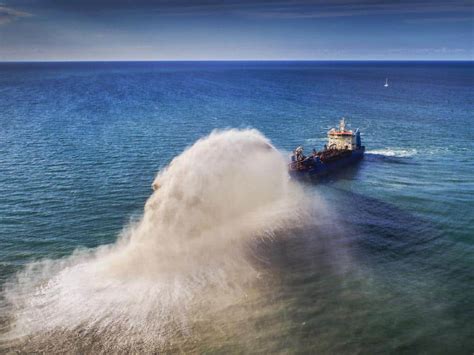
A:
{"x":343,"y":139}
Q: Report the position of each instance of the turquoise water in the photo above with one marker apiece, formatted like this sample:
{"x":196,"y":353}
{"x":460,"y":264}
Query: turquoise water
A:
{"x":389,"y":271}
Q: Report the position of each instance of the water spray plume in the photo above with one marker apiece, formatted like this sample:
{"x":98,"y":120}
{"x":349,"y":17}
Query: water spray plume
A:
{"x":188,"y":253}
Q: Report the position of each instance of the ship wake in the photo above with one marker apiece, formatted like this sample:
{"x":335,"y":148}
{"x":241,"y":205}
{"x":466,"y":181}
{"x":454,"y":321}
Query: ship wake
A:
{"x":189,"y":253}
{"x":393,"y":152}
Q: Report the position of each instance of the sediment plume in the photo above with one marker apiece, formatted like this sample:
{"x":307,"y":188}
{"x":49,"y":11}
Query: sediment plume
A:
{"x":188,"y":254}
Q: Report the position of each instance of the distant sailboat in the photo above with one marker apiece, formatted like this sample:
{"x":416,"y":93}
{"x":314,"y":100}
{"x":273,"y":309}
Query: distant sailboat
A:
{"x":386,"y":82}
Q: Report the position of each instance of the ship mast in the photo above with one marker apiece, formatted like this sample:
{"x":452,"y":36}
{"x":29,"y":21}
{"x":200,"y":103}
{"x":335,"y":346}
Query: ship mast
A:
{"x":342,"y":125}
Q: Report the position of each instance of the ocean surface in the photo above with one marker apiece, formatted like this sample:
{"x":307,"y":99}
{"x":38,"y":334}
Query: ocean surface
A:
{"x":383,"y":264}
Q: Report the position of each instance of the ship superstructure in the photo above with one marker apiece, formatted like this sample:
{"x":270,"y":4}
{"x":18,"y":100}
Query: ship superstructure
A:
{"x":343,"y":148}
{"x":343,"y":139}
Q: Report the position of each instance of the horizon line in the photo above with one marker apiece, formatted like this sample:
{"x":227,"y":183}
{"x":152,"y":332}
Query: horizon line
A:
{"x":230,"y":60}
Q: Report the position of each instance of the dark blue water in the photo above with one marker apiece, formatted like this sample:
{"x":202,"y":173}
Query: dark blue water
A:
{"x":80,"y":144}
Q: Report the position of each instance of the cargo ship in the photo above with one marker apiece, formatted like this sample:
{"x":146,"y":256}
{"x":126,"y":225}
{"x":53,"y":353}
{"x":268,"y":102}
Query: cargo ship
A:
{"x":344,"y":148}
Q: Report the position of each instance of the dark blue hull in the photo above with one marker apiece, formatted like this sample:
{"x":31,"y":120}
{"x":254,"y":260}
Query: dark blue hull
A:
{"x":319,"y":168}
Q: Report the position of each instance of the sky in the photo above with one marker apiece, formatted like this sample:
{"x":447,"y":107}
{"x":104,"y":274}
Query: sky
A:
{"x":63,"y":30}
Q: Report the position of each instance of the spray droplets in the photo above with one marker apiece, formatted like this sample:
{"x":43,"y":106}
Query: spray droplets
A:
{"x":187,"y":254}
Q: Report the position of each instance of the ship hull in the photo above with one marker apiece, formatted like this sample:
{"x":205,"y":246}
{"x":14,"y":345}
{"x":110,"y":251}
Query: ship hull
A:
{"x":319,"y":168}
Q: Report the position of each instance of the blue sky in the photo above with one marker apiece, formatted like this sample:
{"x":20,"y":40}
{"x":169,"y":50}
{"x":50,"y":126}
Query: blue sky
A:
{"x":236,"y":29}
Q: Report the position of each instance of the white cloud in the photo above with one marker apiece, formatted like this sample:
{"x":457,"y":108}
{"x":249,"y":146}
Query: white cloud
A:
{"x":7,"y":14}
